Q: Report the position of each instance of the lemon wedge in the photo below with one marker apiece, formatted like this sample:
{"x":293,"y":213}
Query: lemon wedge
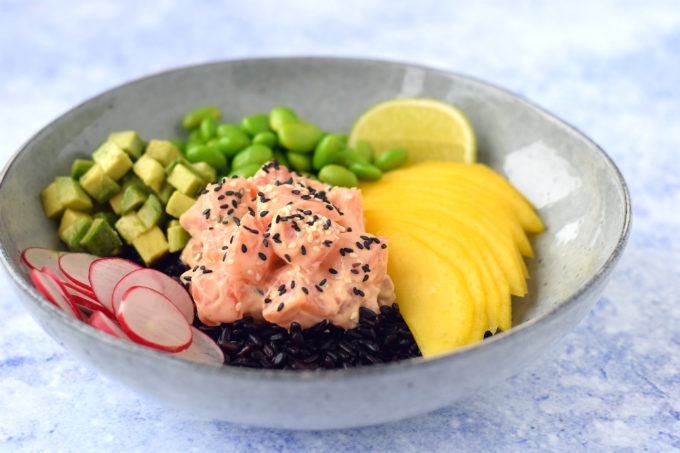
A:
{"x":429,"y":129}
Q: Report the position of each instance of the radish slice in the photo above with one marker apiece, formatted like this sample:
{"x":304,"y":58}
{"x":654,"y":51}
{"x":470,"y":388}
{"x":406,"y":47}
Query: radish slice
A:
{"x":73,"y":288}
{"x":164,"y":284}
{"x":39,"y":257}
{"x":149,"y":318}
{"x":85,"y":301}
{"x":202,"y":349}
{"x":76,"y":267}
{"x":101,"y":321}
{"x":48,"y":284}
{"x":105,"y":273}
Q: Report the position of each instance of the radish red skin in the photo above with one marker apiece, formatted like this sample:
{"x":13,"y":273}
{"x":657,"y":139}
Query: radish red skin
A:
{"x":101,"y":321}
{"x":138,"y":298}
{"x":55,"y":293}
{"x":76,"y":267}
{"x":39,"y":257}
{"x":104,"y":275}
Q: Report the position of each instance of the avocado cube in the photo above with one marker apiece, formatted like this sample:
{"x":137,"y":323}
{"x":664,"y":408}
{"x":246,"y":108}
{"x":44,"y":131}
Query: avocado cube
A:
{"x":151,"y":212}
{"x":165,"y":193}
{"x":129,"y":142}
{"x":98,"y":184}
{"x":128,"y":180}
{"x":163,"y":151}
{"x":114,"y":161}
{"x":71,"y":195}
{"x":178,"y":204}
{"x":101,"y":239}
{"x":206,"y":172}
{"x":185,"y":180}
{"x":110,"y":217}
{"x":133,"y":197}
{"x":150,"y":171}
{"x":50,"y":201}
{"x":72,"y":228}
{"x":177,"y":237}
{"x":130,"y":227}
{"x":80,"y":167}
{"x":151,"y":245}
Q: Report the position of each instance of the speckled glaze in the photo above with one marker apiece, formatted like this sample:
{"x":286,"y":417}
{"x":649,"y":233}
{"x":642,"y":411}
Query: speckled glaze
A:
{"x":578,"y":191}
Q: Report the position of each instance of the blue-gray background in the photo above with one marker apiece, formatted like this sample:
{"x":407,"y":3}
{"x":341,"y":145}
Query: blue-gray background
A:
{"x":611,"y":68}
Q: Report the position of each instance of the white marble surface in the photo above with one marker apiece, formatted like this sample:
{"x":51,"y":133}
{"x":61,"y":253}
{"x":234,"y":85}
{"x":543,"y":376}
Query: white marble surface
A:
{"x":611,"y":68}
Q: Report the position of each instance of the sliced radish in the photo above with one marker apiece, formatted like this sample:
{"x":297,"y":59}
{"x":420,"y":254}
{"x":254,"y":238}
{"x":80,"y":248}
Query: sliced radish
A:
{"x":76,"y":267}
{"x":105,"y":273}
{"x":202,"y":349}
{"x":149,"y":318}
{"x":101,"y":321}
{"x":73,"y":288}
{"x":85,"y":301}
{"x":40,"y":257}
{"x":48,"y":284}
{"x":164,"y":284}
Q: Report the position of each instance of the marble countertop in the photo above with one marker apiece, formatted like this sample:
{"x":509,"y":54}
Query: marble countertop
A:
{"x":610,"y":68}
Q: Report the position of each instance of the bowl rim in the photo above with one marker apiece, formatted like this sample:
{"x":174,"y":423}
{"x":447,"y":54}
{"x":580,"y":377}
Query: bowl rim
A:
{"x":151,"y":355}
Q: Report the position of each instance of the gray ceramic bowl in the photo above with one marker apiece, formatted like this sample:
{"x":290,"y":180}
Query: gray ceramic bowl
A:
{"x":578,"y":191}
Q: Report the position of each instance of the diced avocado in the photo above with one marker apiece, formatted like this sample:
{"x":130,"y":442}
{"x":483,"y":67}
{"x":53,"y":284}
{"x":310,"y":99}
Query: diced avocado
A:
{"x":129,"y":142}
{"x":80,"y":167}
{"x":128,"y":180}
{"x":50,"y":201}
{"x":206,"y":172}
{"x":177,"y":237}
{"x":114,"y":161}
{"x":165,"y":192}
{"x":110,"y":217}
{"x":71,"y":195}
{"x":151,"y":245}
{"x":185,"y":180}
{"x":133,"y":197}
{"x":98,"y":184}
{"x":163,"y":151}
{"x":151,"y":212}
{"x":178,"y":204}
{"x":130,"y":227}
{"x":101,"y":239}
{"x":72,"y":228}
{"x":150,"y":171}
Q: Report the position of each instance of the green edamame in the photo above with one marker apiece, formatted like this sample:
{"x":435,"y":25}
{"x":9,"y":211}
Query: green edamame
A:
{"x":280,"y":115}
{"x":256,"y":154}
{"x":245,"y":171}
{"x":326,"y":151}
{"x":391,"y":159}
{"x":208,"y":154}
{"x":194,"y":117}
{"x":267,"y":138}
{"x":301,"y":137}
{"x":365,"y":171}
{"x":254,"y":124}
{"x":299,"y":161}
{"x":346,"y":157}
{"x":336,"y":175}
{"x":231,"y":139}
{"x":208,"y":127}
{"x":364,"y":149}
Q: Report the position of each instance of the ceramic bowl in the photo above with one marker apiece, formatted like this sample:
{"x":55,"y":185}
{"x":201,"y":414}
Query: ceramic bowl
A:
{"x":575,"y":187}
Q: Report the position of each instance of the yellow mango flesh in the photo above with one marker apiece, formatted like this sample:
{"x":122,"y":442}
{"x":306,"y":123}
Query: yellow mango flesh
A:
{"x":460,"y":220}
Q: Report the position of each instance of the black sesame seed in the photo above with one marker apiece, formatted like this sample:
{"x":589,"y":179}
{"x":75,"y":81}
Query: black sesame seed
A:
{"x":365,"y":278}
{"x":237,"y":221}
{"x":280,"y":307}
{"x":318,"y":288}
{"x":265,"y":242}
{"x":262,"y":256}
{"x":264,"y":213}
{"x":322,"y":282}
{"x":303,"y":250}
{"x":305,"y":290}
{"x":354,"y":271}
{"x":292,"y":284}
{"x":383,"y":246}
{"x":244,"y":249}
{"x":287,"y":257}
{"x":332,"y":271}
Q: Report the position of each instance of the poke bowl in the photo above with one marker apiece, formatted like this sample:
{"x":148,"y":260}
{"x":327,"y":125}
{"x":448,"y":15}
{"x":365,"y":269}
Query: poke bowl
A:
{"x":575,"y":188}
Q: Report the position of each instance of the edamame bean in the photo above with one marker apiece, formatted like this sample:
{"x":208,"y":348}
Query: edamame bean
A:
{"x":326,"y":151}
{"x":364,"y":149}
{"x":280,"y":115}
{"x":281,"y":157}
{"x":365,"y":171}
{"x":346,"y":157}
{"x":301,"y":137}
{"x":267,"y":138}
{"x":391,"y":159}
{"x":246,"y":171}
{"x":254,"y":124}
{"x":194,"y":117}
{"x":299,"y":161}
{"x":231,"y":139}
{"x":208,"y":154}
{"x":254,"y":154}
{"x":179,"y":144}
{"x":336,"y":175}
{"x":195,"y":138}
{"x":208,"y":127}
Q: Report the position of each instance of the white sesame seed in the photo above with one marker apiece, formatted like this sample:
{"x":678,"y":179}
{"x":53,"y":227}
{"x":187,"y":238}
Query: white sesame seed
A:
{"x":238,"y":306}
